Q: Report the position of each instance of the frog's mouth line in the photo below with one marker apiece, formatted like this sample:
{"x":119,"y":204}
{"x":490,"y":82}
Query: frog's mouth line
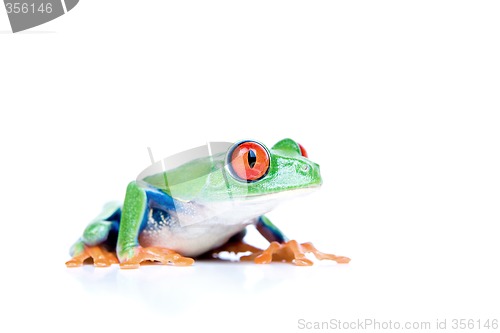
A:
{"x":290,"y":193}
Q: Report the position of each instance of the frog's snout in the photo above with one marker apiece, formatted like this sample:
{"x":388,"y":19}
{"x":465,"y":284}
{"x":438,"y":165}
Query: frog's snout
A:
{"x":317,"y":174}
{"x":312,"y":171}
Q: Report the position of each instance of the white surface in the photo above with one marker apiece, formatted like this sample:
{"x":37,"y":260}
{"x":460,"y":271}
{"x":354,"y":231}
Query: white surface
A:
{"x":409,"y":155}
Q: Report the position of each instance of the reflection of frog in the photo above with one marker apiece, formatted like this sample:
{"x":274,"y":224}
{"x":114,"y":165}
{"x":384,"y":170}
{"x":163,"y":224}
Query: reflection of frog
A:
{"x":203,"y":206}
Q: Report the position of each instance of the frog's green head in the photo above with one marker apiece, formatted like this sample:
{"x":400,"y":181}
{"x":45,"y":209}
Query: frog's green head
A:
{"x":247,"y":170}
{"x":255,"y":170}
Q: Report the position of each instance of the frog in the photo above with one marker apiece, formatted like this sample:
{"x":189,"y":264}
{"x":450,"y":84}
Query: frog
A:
{"x":204,"y":207}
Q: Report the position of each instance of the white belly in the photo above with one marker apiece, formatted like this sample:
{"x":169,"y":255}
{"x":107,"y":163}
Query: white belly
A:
{"x":191,"y":240}
{"x":197,"y":228}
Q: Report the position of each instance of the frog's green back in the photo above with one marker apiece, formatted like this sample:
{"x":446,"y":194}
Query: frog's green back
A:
{"x":186,"y":181}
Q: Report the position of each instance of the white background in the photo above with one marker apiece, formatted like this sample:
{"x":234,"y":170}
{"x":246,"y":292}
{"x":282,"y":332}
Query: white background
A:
{"x":397,"y":101}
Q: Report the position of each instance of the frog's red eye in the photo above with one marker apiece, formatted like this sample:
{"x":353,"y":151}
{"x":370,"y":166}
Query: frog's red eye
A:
{"x":249,"y":161}
{"x":303,"y":151}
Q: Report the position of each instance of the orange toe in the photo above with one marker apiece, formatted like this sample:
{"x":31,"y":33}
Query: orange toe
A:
{"x":100,"y":256}
{"x":294,"y":253}
{"x":308,"y":247}
{"x":157,"y":254}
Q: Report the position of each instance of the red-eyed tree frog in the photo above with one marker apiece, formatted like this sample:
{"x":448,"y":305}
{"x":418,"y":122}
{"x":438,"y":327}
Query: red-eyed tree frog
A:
{"x":203,"y":207}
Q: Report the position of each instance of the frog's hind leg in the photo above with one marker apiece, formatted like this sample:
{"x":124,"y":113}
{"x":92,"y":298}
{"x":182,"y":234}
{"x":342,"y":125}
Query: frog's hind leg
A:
{"x":99,"y":254}
{"x":98,"y":239}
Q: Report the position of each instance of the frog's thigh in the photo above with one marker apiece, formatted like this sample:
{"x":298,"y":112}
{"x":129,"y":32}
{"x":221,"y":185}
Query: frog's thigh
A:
{"x":96,"y":232}
{"x":91,"y":246}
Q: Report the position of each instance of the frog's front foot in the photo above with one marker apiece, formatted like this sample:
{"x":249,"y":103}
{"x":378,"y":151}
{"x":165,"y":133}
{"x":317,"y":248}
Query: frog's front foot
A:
{"x":100,"y":256}
{"x":294,"y":253}
{"x":237,"y":247}
{"x":159,"y":254}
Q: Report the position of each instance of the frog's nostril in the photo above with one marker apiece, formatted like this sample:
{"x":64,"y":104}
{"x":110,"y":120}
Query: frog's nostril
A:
{"x":305,"y":167}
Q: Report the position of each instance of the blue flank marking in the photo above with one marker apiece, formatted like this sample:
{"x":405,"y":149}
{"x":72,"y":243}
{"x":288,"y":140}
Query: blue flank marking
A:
{"x":158,"y":215}
{"x":160,"y":200}
{"x":161,"y":203}
{"x":113,"y":231}
{"x":115,"y":218}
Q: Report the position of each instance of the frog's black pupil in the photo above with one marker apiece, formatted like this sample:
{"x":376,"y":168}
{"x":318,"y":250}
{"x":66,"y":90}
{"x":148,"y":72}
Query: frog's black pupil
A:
{"x":252,"y":158}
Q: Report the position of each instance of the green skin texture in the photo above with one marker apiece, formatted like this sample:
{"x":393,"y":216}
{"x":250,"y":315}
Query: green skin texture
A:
{"x":206,"y":180}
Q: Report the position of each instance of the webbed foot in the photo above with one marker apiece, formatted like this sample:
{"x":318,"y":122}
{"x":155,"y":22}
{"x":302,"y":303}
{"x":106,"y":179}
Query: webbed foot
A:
{"x":100,"y":256}
{"x":292,"y":252}
{"x":162,"y":255}
{"x":237,"y":247}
